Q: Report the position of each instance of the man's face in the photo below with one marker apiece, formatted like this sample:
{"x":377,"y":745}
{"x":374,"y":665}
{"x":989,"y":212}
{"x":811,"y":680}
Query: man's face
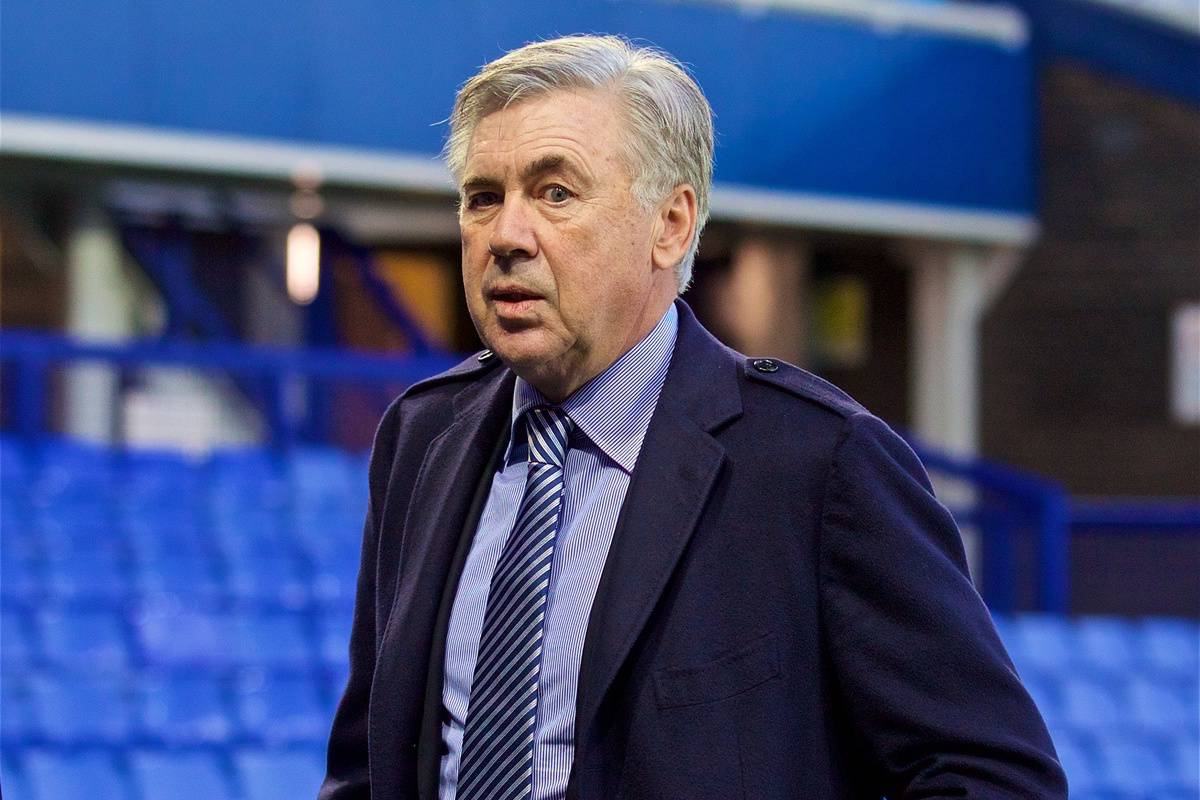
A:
{"x":557,"y":262}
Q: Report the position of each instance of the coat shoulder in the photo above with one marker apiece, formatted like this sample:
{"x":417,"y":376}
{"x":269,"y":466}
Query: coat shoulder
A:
{"x":467,"y":370}
{"x":801,"y":384}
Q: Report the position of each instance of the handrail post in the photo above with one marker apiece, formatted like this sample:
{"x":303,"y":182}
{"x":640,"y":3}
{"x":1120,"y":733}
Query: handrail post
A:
{"x":996,"y":530}
{"x":1054,"y":542}
{"x":279,"y":409}
{"x":31,"y":396}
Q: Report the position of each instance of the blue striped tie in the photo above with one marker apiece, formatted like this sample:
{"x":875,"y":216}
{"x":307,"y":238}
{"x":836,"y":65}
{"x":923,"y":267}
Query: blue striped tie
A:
{"x":497,"y":752}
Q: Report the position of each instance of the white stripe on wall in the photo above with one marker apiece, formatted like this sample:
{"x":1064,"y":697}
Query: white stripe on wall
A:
{"x":34,"y":136}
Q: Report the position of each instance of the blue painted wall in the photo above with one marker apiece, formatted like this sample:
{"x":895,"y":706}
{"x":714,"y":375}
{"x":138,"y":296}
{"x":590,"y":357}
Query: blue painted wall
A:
{"x":803,"y":103}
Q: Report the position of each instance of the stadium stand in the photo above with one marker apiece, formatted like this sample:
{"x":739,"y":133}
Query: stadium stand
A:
{"x":176,"y":627}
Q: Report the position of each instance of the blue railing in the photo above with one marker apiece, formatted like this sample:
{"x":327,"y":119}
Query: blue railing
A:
{"x":1007,"y":507}
{"x":1006,"y":503}
{"x":279,"y":371}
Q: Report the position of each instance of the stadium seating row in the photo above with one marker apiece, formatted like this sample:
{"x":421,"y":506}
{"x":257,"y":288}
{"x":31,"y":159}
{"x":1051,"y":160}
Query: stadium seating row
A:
{"x":173,"y":708}
{"x":166,"y":622}
{"x":155,"y":774}
{"x":171,"y":636}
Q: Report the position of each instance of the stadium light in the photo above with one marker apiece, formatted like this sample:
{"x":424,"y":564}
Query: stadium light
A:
{"x":303,"y":263}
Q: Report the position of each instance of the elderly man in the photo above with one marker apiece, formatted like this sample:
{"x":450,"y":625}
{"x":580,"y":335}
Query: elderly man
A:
{"x":608,"y":557}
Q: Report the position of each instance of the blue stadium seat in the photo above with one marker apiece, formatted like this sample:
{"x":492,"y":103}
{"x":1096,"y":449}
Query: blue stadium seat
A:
{"x":17,"y":648}
{"x":169,"y":775}
{"x":16,"y":520}
{"x":270,"y":579}
{"x":1171,"y":647}
{"x":245,"y":480}
{"x":1131,"y":765}
{"x":74,"y":476}
{"x":58,"y":776}
{"x":75,"y":708}
{"x":14,"y":460}
{"x":280,"y":774}
{"x":328,"y":534}
{"x":101,"y":576}
{"x":321,"y":478}
{"x":282,"y":708}
{"x":1091,"y":704}
{"x":1165,"y":708}
{"x":333,"y":629}
{"x":1042,"y":643}
{"x":12,"y":776}
{"x":1106,"y":644}
{"x":1183,"y":760}
{"x":180,"y":709}
{"x":22,"y":578}
{"x":158,"y":535}
{"x":18,"y":723}
{"x":161,"y":479}
{"x":1176,"y":793}
{"x":170,"y":637}
{"x":192,"y":580}
{"x":95,"y":639}
{"x":273,"y":639}
{"x":335,"y":574}
{"x":249,"y":533}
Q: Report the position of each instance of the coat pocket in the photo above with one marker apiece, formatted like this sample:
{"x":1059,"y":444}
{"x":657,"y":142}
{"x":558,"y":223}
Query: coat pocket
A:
{"x":731,"y":674}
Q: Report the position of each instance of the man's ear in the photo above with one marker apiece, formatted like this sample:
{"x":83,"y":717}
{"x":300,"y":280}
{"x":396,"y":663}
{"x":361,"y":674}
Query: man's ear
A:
{"x":676,"y":226}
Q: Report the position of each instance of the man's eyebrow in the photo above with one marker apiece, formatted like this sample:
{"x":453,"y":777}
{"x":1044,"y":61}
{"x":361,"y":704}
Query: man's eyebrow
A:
{"x":552,"y":162}
{"x":474,"y":182}
{"x":539,"y":166}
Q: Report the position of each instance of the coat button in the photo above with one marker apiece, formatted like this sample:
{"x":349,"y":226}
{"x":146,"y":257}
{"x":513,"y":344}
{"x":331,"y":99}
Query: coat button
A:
{"x":765,"y":364}
{"x":485,"y":355}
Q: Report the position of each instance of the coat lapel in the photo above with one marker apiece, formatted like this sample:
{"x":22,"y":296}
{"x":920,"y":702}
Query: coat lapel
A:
{"x":678,"y":466}
{"x":449,"y":475}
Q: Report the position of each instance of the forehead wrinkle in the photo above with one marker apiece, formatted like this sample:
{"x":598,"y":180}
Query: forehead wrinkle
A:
{"x":557,"y":154}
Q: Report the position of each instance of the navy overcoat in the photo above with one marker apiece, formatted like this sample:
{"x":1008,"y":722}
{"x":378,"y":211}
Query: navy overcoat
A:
{"x":785,"y":611}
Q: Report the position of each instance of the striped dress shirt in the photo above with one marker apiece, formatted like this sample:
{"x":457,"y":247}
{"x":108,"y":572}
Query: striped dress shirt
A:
{"x":611,"y":414}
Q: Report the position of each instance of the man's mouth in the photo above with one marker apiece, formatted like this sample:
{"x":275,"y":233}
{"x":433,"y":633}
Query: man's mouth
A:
{"x":513,"y":297}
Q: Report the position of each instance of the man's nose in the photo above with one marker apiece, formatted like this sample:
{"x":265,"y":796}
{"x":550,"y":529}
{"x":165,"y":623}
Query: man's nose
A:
{"x":512,"y":230}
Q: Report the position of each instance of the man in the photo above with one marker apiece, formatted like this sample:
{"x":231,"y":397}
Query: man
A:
{"x":609,"y":557}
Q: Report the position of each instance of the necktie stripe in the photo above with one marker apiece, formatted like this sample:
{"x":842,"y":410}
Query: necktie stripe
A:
{"x":507,"y":644}
{"x":497,"y":750}
{"x":488,"y":714}
{"x":524,"y":585}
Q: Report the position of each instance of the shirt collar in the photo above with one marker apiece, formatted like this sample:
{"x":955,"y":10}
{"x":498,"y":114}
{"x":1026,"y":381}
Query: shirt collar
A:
{"x":614,"y":408}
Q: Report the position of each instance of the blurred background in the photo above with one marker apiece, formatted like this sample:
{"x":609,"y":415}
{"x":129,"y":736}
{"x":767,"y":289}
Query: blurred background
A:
{"x":226,"y":242}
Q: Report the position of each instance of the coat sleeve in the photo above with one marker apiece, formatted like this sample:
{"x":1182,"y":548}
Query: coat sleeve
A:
{"x":920,"y":673}
{"x":347,"y":770}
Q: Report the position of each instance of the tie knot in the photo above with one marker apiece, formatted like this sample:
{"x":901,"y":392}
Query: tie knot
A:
{"x":547,"y":429}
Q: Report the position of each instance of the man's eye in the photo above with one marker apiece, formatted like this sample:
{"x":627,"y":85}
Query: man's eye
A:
{"x":481,"y":200}
{"x":556,"y":194}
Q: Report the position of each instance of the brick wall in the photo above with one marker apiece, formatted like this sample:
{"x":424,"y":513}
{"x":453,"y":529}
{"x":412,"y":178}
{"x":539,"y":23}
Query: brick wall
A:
{"x":1076,"y":353}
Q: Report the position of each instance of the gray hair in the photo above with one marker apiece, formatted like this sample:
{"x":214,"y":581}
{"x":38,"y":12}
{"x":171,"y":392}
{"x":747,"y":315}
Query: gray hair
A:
{"x":670,"y":121}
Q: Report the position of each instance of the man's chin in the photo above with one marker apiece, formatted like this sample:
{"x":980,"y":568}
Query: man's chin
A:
{"x":521,"y":348}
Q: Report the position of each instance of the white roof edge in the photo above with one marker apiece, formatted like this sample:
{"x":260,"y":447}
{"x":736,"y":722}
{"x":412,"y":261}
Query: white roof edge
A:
{"x":35,"y":136}
{"x":145,"y":146}
{"x":866,"y":215}
{"x":992,"y":22}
